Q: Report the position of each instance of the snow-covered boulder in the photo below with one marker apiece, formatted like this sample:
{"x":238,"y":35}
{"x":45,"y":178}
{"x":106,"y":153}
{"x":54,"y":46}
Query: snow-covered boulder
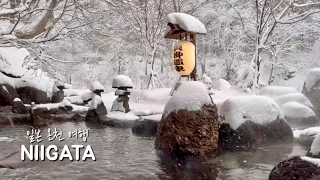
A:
{"x":306,"y":136}
{"x":222,"y":84}
{"x":121,"y":119}
{"x":97,"y":110}
{"x":293,"y":97}
{"x":189,"y":123}
{"x":296,"y":168}
{"x":122,"y":81}
{"x":311,"y":88}
{"x":299,"y":114}
{"x":19,"y":107}
{"x":27,"y":90}
{"x":315,"y":148}
{"x":187,"y":22}
{"x":146,"y":125}
{"x":275,"y":91}
{"x":251,"y":120}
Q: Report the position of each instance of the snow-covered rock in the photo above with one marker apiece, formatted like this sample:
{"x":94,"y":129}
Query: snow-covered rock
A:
{"x":258,"y":109}
{"x":312,"y":78}
{"x":298,"y":114}
{"x":122,"y":116}
{"x":75,"y":92}
{"x":189,"y":124}
{"x":306,"y":136}
{"x":96,"y":100}
{"x":187,"y":22}
{"x":122,"y":81}
{"x":275,"y":91}
{"x":146,"y":125}
{"x":248,"y":121}
{"x":315,"y":148}
{"x":190,"y":96}
{"x":293,"y":97}
{"x":49,"y":106}
{"x":96,"y":86}
{"x":296,"y":168}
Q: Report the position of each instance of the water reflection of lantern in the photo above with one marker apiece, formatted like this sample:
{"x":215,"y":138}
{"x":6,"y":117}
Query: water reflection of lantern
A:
{"x":184,"y":57}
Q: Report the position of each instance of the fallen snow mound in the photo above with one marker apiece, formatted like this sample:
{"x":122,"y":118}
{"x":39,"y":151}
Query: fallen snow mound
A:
{"x":121,"y":81}
{"x":296,"y":110}
{"x":64,"y":103}
{"x":190,"y":96}
{"x":74,"y":92}
{"x":293,"y":97}
{"x":187,"y":22}
{"x":275,"y":91}
{"x":257,"y":109}
{"x":312,"y":78}
{"x":222,"y":84}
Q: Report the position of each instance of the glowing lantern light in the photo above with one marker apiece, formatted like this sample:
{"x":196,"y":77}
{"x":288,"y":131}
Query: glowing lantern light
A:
{"x":184,"y":57}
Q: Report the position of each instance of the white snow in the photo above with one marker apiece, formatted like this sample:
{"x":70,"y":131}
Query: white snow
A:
{"x":86,"y":96}
{"x":13,"y":60}
{"x":108,"y":99}
{"x":314,"y":161}
{"x":122,"y":116}
{"x":296,"y":110}
{"x":142,"y":112}
{"x":4,"y":88}
{"x":121,"y":81}
{"x":207,"y":81}
{"x":156,"y":117}
{"x":222,"y":84}
{"x":258,"y":109}
{"x":220,"y":96}
{"x":96,"y":86}
{"x":75,"y":92}
{"x":312,"y":78}
{"x":17,"y":99}
{"x":21,"y":82}
{"x":74,"y":99}
{"x":315,"y":146}
{"x":190,"y":96}
{"x":275,"y":91}
{"x":293,"y":97}
{"x":49,"y":106}
{"x":187,"y":22}
{"x":96,"y":100}
{"x":76,"y":108}
{"x":306,"y":132}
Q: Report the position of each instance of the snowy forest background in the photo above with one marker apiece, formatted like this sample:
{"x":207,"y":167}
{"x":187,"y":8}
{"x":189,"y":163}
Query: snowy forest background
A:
{"x":272,"y":42}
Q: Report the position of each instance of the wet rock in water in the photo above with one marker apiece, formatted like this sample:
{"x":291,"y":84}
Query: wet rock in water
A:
{"x":249,"y":121}
{"x":97,"y":111}
{"x":311,"y":88}
{"x":31,"y":94}
{"x":19,"y":107}
{"x":249,"y":135}
{"x":146,"y":126}
{"x":7,"y":94}
{"x":189,"y":125}
{"x":41,"y":117}
{"x":295,"y":168}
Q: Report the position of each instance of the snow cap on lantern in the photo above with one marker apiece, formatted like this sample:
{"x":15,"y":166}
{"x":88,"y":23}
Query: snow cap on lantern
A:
{"x":184,"y":57}
{"x":122,"y":81}
{"x":96,"y":88}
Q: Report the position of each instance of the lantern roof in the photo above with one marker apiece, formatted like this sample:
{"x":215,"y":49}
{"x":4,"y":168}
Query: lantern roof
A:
{"x":181,"y":25}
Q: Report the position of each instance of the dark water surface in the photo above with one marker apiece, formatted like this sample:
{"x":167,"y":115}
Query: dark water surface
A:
{"x":122,"y":155}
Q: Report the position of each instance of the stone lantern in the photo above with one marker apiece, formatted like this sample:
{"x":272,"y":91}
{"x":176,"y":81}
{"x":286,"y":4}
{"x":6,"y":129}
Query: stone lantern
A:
{"x":122,"y":83}
{"x":96,"y":88}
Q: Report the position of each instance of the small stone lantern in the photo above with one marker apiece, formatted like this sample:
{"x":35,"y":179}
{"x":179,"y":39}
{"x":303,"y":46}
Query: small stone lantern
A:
{"x":122,"y":83}
{"x":97,"y":88}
